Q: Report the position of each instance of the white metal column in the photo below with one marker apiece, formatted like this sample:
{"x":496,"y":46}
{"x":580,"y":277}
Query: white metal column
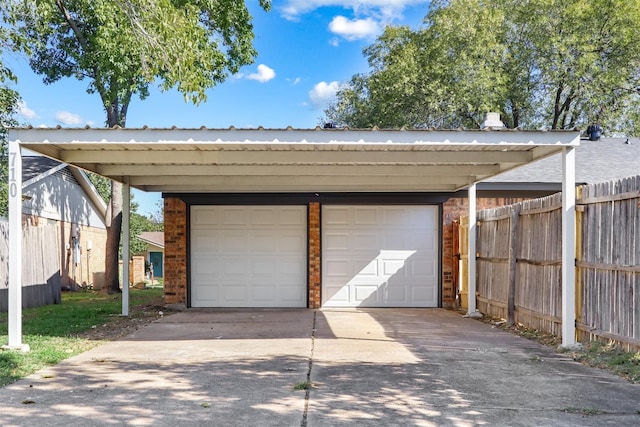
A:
{"x":568,"y":247}
{"x":472,"y":251}
{"x":126,"y":256}
{"x":15,"y":249}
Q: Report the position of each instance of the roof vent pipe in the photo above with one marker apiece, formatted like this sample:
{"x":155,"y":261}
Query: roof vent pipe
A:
{"x":492,"y":122}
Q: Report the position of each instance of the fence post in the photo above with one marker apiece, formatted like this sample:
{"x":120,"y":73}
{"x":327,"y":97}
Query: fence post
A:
{"x":579,"y":214}
{"x":513,"y":253}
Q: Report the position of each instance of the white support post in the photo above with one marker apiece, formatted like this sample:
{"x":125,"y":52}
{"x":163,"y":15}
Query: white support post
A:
{"x":472,"y":312}
{"x":568,"y":247}
{"x":126,"y":222}
{"x":15,"y":249}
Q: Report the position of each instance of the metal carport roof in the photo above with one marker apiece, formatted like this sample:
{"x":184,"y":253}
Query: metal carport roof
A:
{"x":295,"y":160}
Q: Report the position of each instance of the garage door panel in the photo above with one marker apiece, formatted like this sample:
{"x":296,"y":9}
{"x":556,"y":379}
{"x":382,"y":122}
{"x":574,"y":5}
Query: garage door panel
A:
{"x":205,"y":215}
{"x":336,"y":268}
{"x":248,"y":256}
{"x":365,"y":295}
{"x":391,"y":263}
{"x":236,"y":293}
{"x":336,"y":241}
{"x":338,"y":295}
{"x":365,"y":216}
{"x":290,"y":241}
{"x":205,"y":240}
{"x":394,"y":217}
{"x":233,"y":216}
{"x":364,"y":242}
{"x":292,"y":216}
{"x":339,"y":216}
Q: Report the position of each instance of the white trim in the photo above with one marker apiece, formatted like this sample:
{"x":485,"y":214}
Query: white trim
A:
{"x":471,"y":300}
{"x":126,"y":256}
{"x":568,"y":247}
{"x":15,"y":248}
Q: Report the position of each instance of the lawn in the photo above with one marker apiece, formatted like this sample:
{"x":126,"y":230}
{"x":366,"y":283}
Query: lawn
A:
{"x":57,"y":332}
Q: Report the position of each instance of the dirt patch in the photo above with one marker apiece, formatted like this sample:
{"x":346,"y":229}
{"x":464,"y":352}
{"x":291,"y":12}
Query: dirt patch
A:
{"x":118,"y":326}
{"x":542,"y":337}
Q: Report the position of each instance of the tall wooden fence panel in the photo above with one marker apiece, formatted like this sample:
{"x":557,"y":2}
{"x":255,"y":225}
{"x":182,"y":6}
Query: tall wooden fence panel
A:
{"x":40,"y":266}
{"x":609,"y":261}
{"x":519,"y":263}
{"x":538,"y":282}
{"x":492,"y":261}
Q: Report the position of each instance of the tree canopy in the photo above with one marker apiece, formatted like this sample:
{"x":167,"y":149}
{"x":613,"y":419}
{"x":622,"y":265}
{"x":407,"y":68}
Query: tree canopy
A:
{"x":121,"y":47}
{"x":555,"y":64}
{"x":9,"y":99}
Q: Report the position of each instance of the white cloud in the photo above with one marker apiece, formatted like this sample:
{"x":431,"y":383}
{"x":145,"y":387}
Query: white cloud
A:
{"x":25,"y":111}
{"x":263,"y":75}
{"x":354,"y":29}
{"x":322,"y":93}
{"x":68,"y":118}
{"x":387,"y":9}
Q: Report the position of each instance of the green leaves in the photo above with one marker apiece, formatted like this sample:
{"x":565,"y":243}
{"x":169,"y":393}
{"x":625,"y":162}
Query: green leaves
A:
{"x":123,"y":46}
{"x":554,"y":64}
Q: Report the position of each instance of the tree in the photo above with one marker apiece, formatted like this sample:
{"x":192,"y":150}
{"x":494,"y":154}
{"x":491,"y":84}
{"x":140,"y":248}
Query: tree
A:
{"x":123,"y":46}
{"x":9,"y":99}
{"x":557,"y":64}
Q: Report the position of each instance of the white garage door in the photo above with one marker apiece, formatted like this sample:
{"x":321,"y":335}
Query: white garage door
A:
{"x":248,"y":256}
{"x":380,"y":256}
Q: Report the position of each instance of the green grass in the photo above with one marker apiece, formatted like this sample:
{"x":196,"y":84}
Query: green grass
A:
{"x":610,"y":357}
{"x":52,"y":331}
{"x":305,"y":385}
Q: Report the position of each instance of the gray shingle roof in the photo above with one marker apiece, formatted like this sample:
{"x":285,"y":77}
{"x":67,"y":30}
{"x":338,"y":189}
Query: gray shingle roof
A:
{"x":596,"y":161}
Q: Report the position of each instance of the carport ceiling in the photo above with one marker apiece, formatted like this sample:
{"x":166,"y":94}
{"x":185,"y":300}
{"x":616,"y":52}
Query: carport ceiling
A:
{"x":293,"y":160}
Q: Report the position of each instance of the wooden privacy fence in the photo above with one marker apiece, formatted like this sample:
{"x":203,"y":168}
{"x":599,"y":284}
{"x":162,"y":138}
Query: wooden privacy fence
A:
{"x":608,"y":261}
{"x":519,"y":262}
{"x":41,"y":278}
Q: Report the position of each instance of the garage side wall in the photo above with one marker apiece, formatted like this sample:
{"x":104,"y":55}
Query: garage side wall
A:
{"x":175,"y":262}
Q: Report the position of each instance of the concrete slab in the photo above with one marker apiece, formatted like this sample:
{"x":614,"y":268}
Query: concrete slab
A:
{"x":377,"y":367}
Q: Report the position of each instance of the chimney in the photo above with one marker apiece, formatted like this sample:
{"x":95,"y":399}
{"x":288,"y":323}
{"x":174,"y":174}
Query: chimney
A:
{"x":492,"y":121}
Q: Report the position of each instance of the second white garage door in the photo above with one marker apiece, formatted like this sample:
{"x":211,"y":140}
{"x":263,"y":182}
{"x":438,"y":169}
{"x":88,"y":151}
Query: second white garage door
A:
{"x":248,"y":256}
{"x":380,"y":256}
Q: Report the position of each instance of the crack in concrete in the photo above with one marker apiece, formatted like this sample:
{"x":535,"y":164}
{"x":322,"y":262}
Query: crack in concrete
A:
{"x":307,"y":392}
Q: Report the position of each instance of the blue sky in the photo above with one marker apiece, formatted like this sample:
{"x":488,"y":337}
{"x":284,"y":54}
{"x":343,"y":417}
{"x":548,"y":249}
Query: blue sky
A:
{"x":306,"y":50}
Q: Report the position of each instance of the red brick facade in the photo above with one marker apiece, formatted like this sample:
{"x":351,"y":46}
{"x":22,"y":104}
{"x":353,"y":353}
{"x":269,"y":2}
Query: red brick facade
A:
{"x":314,"y":255}
{"x":175,"y":251}
{"x":175,"y":280}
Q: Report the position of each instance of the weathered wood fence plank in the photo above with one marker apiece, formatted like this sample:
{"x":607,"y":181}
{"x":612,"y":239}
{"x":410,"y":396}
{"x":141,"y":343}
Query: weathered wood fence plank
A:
{"x":519,"y":258}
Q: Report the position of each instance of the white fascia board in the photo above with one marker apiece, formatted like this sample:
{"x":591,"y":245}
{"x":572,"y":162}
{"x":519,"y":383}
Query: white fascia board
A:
{"x":102,"y":136}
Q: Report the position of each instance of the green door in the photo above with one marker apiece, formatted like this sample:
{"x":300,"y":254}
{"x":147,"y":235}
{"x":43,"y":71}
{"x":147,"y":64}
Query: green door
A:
{"x":155,"y":258}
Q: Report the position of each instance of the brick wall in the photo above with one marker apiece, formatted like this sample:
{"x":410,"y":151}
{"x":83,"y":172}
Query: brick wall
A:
{"x":314,"y":255}
{"x":453,"y":209}
{"x":175,"y":251}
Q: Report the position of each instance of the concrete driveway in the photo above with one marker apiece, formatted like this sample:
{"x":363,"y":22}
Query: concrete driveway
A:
{"x":378,"y":367}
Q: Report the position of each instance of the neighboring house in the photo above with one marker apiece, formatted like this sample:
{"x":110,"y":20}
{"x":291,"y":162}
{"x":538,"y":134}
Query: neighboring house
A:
{"x":64,"y":227}
{"x":155,"y":250}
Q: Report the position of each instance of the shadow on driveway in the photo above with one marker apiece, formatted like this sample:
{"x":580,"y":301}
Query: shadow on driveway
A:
{"x":374,"y":367}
